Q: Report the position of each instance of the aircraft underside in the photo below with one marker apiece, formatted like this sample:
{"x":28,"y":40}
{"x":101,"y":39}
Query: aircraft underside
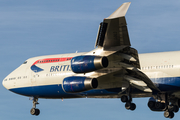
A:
{"x":57,"y":92}
{"x":166,"y":101}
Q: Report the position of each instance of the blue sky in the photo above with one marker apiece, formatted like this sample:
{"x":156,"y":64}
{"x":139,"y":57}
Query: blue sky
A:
{"x":43,"y":27}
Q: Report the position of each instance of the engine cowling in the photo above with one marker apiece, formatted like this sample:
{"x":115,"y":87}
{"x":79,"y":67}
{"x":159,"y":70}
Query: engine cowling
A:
{"x":88,"y":63}
{"x":76,"y":84}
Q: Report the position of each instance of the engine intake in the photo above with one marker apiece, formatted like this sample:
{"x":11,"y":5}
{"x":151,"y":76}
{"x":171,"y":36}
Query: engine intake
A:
{"x":88,"y":63}
{"x":76,"y":84}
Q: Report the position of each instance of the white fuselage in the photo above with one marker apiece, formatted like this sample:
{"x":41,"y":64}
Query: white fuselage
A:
{"x":163,"y":69}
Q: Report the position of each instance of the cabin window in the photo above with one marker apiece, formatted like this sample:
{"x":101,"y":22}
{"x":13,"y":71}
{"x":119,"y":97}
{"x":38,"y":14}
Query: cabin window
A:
{"x":25,"y":77}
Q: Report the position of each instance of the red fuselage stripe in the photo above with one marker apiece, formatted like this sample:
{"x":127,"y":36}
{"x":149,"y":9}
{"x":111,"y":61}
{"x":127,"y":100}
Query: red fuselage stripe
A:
{"x":52,"y":60}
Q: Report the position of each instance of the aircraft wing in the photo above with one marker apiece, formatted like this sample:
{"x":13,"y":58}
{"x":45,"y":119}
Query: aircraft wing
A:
{"x":113,"y":41}
{"x":124,"y":68}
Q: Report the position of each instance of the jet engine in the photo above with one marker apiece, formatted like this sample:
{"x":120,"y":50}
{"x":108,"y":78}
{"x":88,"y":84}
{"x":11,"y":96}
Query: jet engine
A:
{"x":88,"y":63}
{"x":76,"y":84}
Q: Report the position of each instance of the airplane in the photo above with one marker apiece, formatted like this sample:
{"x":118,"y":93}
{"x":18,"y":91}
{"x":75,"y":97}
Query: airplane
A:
{"x":112,"y":70}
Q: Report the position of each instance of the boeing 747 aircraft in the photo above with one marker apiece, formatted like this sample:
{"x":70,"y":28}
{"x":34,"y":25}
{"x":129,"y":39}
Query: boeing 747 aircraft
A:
{"x":112,"y":70}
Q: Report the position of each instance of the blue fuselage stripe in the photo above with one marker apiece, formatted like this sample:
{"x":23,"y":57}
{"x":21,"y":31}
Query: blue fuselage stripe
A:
{"x":173,"y":81}
{"x":167,"y":84}
{"x":56,"y":91}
